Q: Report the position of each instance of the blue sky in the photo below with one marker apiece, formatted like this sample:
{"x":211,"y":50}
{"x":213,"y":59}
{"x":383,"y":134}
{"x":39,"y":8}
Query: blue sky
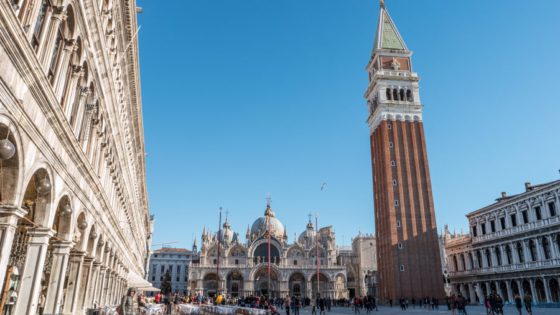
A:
{"x":246,"y":97}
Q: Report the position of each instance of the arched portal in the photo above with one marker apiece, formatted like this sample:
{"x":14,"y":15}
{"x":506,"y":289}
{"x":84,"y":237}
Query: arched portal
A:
{"x":234,"y":283}
{"x":27,"y":256}
{"x":210,"y":284}
{"x":266,"y":284}
{"x":539,"y":288}
{"x":554,"y":290}
{"x":322,"y":285}
{"x":297,"y":285}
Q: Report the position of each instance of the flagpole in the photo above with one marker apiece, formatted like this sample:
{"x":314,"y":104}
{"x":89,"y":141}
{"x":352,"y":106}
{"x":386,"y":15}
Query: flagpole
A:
{"x":219,"y":245}
{"x":317,"y":249}
{"x":268,"y":228}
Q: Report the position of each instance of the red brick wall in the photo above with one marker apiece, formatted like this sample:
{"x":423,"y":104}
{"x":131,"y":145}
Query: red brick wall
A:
{"x":417,"y":233}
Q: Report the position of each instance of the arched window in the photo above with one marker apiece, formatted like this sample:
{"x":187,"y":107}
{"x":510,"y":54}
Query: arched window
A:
{"x":546,"y":248}
{"x":409,"y":96}
{"x":464,"y":267}
{"x":533,"y":250}
{"x":488,"y":257}
{"x":479,"y":259}
{"x":520,"y":252}
{"x":402,"y":94}
{"x":395,"y":95}
{"x":498,"y":256}
{"x":39,"y":24}
{"x":455,"y":264}
{"x":508,"y":255}
{"x":471,"y":261}
{"x":388,"y":91}
{"x":57,"y":51}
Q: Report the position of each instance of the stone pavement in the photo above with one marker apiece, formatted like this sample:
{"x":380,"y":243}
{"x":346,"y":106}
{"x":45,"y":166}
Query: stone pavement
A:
{"x":471,"y":310}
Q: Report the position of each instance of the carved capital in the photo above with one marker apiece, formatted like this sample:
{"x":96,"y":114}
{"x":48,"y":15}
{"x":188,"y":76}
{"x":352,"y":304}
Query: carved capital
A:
{"x":59,"y":13}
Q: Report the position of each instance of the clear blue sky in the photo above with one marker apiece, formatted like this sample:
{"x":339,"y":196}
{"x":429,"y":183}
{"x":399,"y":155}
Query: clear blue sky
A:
{"x":247,"y":97}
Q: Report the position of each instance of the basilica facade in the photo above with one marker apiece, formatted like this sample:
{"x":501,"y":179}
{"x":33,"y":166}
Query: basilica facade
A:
{"x":74,"y":222}
{"x":240,"y":268}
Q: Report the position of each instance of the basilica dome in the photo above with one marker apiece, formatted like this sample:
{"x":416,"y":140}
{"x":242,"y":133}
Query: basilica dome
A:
{"x":260,"y":227}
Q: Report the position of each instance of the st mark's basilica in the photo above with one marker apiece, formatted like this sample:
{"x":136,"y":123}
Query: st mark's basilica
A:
{"x":241,"y":268}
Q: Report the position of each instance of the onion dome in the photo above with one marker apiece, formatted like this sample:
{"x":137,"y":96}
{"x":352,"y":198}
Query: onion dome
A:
{"x":308,"y":234}
{"x":226,"y":233}
{"x":268,"y":221}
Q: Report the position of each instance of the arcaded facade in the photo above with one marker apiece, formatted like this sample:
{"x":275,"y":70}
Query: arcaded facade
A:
{"x":405,"y":223}
{"x":74,"y":222}
{"x":240,"y":268}
{"x":513,"y":248}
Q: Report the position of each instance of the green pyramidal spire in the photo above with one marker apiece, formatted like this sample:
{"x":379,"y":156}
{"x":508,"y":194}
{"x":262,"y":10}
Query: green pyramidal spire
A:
{"x":387,"y":36}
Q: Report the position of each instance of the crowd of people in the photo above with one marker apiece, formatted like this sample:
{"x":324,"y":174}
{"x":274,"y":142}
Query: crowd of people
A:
{"x":291,"y":305}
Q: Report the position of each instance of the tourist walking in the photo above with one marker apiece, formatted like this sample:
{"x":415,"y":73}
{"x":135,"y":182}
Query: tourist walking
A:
{"x":287,"y":304}
{"x":461,"y":304}
{"x":356,"y":305}
{"x":528,"y":299}
{"x":518,"y":303}
{"x":127,"y":303}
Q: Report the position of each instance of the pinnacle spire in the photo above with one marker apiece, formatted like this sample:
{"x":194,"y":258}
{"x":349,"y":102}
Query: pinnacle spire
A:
{"x":387,"y":35}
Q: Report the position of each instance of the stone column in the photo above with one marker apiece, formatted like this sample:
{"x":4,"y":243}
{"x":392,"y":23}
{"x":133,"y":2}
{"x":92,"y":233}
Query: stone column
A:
{"x":98,"y":299}
{"x":514,"y":254}
{"x":539,"y":247}
{"x":63,"y":67}
{"x":30,"y":285}
{"x":479,"y":293}
{"x":74,"y":279}
{"x":107,"y":290}
{"x":92,"y":291}
{"x":547,"y":290}
{"x":553,"y":249}
{"x":521,"y":289}
{"x":55,"y":292}
{"x":493,"y":256}
{"x":509,"y":291}
{"x":9,"y":217}
{"x":533,"y":291}
{"x":85,"y":284}
{"x":526,"y":250}
{"x":46,"y":48}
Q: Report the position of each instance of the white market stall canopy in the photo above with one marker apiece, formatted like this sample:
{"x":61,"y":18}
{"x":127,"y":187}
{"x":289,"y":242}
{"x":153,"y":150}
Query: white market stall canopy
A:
{"x":136,"y":281}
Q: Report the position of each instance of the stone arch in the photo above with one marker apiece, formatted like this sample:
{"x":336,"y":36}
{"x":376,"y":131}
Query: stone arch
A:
{"x":234,"y":283}
{"x":262,"y":283}
{"x":62,"y":223}
{"x":11,"y":165}
{"x":540,"y":291}
{"x":237,"y":251}
{"x":297,"y":284}
{"x":210,"y":283}
{"x":37,"y":196}
{"x":323,"y":285}
{"x":260,"y":254}
{"x":554,"y":290}
{"x":92,"y":241}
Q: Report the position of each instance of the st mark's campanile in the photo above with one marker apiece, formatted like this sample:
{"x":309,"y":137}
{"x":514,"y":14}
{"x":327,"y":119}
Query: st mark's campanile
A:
{"x":407,"y":242}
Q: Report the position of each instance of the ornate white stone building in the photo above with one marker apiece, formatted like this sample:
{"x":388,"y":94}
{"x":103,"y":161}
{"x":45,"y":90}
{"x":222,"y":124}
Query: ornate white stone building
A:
{"x":74,"y":222}
{"x":513,"y":247}
{"x":360,"y":260}
{"x":241,"y":269}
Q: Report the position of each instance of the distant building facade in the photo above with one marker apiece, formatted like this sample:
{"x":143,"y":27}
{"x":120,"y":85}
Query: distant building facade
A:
{"x":363,"y":267}
{"x":240,"y":268}
{"x":175,"y":261}
{"x":513,"y":248}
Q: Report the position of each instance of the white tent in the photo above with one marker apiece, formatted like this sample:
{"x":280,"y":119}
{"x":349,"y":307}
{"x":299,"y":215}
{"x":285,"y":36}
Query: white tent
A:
{"x":136,"y":281}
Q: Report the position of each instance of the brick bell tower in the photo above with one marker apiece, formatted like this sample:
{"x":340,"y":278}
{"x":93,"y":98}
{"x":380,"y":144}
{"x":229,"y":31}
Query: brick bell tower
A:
{"x":407,"y":242}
